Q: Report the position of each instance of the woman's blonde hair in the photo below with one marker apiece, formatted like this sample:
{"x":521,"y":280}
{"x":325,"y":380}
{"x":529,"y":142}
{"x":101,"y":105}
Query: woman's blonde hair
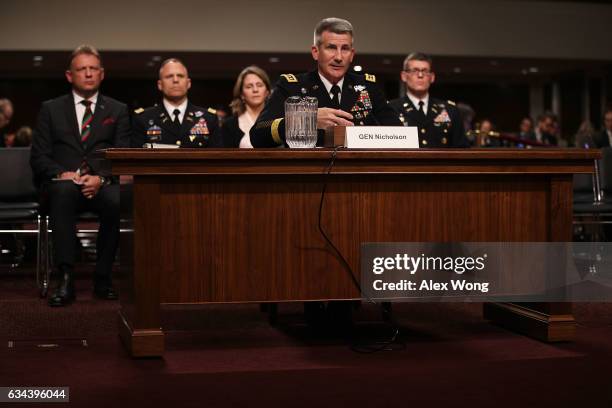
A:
{"x":237,"y":105}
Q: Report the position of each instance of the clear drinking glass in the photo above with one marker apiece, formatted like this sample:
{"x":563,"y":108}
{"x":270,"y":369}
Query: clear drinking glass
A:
{"x":301,"y":121}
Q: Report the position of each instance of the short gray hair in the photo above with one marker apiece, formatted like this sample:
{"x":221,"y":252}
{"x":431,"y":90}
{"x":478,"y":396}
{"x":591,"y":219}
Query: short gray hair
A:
{"x":334,"y":25}
{"x":417,"y":56}
{"x":84,"y":49}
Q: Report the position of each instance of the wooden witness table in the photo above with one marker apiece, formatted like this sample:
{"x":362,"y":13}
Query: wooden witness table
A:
{"x":213,"y":226}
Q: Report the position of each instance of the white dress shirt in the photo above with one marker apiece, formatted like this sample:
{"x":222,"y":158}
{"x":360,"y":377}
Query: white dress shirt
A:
{"x":170,"y":109}
{"x":415,"y":101}
{"x":245,"y":123}
{"x":328,"y":86}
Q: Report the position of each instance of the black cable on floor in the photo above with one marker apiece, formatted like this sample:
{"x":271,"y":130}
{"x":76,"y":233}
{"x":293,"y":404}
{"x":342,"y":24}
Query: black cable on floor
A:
{"x":365,"y":348}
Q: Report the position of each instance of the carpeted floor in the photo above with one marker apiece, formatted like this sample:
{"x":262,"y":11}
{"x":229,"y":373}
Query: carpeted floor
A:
{"x":230,"y":356}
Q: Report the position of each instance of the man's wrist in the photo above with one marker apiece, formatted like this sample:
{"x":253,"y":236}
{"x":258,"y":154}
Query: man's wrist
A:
{"x":103,"y":180}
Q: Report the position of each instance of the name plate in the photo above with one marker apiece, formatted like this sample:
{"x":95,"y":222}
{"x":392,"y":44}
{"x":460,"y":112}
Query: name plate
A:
{"x":160,"y":146}
{"x":385,"y":137}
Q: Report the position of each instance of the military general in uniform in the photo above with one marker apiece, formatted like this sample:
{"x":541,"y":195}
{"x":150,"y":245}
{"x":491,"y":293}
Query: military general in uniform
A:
{"x":176,"y":121}
{"x":344,"y":99}
{"x":439,"y":122}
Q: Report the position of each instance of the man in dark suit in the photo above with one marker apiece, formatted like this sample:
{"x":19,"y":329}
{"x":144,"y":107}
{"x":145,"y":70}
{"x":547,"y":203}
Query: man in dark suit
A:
{"x":344,"y":98}
{"x":176,"y":121}
{"x":68,"y":132}
{"x":603,"y":138}
{"x":544,"y":131}
{"x":439,"y":122}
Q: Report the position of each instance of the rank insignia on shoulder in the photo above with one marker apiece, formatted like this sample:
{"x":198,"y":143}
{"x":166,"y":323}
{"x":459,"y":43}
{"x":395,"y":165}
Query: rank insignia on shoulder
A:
{"x":451,"y":103}
{"x":213,"y":111}
{"x":370,"y":77}
{"x":138,"y":111}
{"x":290,"y":77}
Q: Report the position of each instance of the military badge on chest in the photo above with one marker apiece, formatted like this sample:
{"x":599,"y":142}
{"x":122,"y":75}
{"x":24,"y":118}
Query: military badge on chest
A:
{"x":442,"y":119}
{"x":199,"y":132}
{"x":153,"y":132}
{"x":363,"y":104}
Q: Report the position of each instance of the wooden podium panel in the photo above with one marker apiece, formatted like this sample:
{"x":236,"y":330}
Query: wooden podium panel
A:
{"x":232,"y":225}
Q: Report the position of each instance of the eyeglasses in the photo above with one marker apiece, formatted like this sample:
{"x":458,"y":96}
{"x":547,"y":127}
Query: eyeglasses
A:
{"x":417,"y":71}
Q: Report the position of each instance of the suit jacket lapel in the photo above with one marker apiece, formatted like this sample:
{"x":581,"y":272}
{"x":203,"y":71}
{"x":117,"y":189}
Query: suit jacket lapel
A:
{"x":71,"y":119}
{"x":317,"y":89}
{"x":188,"y":120}
{"x":432,"y":110}
{"x":98,"y":117}
{"x":165,"y":121}
{"x":348,"y":97}
{"x":416,"y":118}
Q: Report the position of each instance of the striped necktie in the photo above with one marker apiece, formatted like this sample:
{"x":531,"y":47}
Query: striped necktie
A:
{"x":87,"y":118}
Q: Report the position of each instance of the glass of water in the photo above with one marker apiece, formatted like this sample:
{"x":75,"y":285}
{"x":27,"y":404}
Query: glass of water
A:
{"x":301,"y":121}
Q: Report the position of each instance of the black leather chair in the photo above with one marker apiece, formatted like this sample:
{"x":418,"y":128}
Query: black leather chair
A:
{"x":46,"y":269}
{"x":19,"y":208}
{"x":592,"y":206}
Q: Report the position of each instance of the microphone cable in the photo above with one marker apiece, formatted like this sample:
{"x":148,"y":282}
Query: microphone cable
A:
{"x":365,"y":348}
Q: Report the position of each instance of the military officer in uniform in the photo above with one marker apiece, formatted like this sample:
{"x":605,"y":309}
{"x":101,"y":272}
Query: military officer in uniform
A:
{"x":439,"y":122}
{"x":344,"y":98}
{"x":176,"y":121}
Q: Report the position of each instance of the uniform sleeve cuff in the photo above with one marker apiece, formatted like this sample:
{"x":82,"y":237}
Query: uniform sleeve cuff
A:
{"x":275,"y":135}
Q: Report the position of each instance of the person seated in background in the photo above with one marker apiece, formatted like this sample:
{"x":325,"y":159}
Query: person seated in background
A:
{"x":467,"y":116}
{"x":221,"y":112}
{"x":604,"y":138}
{"x":439,"y":122}
{"x":251,"y":91}
{"x":344,"y":98}
{"x":23,"y":137}
{"x":176,"y":121}
{"x":486,"y":134}
{"x":585,"y":136}
{"x":6,"y":114}
{"x":526,"y":129}
{"x":68,"y":132}
{"x":9,"y":139}
{"x":544,"y":130}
